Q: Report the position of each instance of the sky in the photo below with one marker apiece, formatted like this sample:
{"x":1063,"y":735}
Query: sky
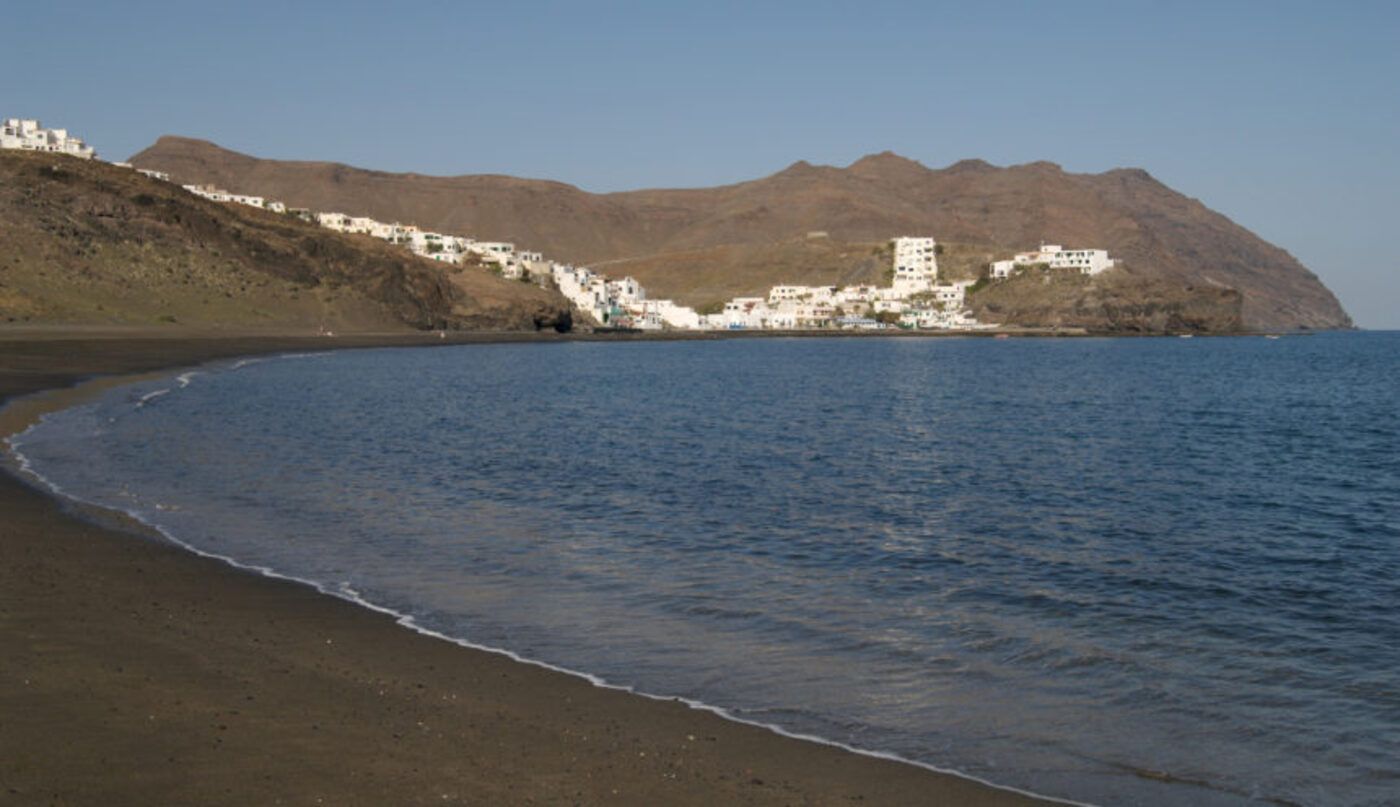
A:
{"x":1284,"y":116}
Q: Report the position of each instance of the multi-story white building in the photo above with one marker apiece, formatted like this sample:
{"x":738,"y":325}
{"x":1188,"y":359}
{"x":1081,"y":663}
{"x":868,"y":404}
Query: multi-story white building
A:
{"x":626,"y":291}
{"x":915,"y":264}
{"x":1085,"y":261}
{"x":28,"y":135}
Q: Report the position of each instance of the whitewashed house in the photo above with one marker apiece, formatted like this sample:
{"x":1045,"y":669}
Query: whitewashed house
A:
{"x":27,"y":135}
{"x":338,"y":222}
{"x":678,"y":316}
{"x":1085,"y":261}
{"x":745,"y":313}
{"x":626,"y":291}
{"x":493,"y":251}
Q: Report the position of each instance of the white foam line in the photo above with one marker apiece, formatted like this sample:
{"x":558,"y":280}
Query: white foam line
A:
{"x":241,"y":363}
{"x":151,"y":396}
{"x":345,"y":592}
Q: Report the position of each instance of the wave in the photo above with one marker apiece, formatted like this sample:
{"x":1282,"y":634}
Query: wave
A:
{"x":151,"y":396}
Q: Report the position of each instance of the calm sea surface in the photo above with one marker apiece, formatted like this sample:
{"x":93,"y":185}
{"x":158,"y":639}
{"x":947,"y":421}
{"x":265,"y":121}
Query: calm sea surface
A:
{"x":1123,"y":571}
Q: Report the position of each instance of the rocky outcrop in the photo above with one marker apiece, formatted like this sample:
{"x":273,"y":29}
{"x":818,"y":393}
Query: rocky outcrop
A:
{"x":1115,"y":302}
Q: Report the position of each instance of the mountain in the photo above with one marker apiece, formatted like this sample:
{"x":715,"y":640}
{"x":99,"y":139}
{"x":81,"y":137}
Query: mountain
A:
{"x":87,"y":242}
{"x":1161,"y":235}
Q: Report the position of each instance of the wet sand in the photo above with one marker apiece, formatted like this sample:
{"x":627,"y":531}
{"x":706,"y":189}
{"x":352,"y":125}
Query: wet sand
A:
{"x":134,"y":672}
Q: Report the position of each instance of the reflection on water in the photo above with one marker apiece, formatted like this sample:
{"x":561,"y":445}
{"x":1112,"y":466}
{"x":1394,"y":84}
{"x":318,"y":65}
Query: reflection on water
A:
{"x":1103,"y":569}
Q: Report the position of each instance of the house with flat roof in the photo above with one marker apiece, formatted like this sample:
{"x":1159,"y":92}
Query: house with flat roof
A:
{"x":26,"y":134}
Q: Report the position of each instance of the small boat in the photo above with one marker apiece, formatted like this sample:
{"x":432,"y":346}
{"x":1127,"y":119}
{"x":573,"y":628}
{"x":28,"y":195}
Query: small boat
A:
{"x":1186,"y":335}
{"x":1271,"y":336}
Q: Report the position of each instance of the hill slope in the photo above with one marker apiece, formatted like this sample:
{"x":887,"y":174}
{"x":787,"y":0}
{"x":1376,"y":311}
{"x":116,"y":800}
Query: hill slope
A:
{"x":87,"y":242}
{"x":1160,"y":233}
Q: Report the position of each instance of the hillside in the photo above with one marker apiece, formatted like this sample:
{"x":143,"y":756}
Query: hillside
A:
{"x":91,"y":243}
{"x":1159,"y":233}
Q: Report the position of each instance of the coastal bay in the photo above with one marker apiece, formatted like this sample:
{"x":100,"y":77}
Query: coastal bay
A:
{"x":137,"y":672}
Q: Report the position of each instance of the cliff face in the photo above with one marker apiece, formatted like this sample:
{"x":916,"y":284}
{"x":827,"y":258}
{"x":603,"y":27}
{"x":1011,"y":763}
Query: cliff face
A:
{"x":1158,"y":232}
{"x":87,"y":242}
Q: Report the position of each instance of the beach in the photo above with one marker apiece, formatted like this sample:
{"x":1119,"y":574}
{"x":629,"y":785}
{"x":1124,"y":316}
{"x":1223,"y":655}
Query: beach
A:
{"x":136,"y":672}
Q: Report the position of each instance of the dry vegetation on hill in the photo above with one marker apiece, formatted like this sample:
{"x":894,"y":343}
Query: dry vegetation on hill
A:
{"x":87,"y":242}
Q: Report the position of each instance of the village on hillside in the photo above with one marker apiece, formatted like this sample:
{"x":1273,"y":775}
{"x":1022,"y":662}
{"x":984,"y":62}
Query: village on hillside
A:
{"x":916,"y":298}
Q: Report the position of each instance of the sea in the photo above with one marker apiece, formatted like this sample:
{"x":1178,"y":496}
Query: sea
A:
{"x":1112,"y":571}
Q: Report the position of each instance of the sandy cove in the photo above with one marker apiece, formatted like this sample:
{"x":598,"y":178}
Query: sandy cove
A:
{"x":135,"y":672}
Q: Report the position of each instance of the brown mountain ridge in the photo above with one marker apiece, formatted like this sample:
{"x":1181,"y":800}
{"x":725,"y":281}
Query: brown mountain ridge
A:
{"x":1162,"y":236}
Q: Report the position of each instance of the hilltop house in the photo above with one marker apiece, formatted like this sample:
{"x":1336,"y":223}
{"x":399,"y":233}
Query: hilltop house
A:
{"x":1085,"y":261}
{"x":28,"y":135}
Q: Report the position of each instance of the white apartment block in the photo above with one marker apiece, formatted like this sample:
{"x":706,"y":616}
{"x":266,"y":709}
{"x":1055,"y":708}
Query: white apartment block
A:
{"x":27,"y":135}
{"x":1085,"y":261}
{"x":915,"y":264}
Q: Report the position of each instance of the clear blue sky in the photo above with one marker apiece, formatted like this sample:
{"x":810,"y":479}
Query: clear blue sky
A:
{"x":1283,"y":115}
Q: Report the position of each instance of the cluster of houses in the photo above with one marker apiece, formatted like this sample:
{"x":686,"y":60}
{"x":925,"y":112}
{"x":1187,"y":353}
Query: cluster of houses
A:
{"x":915,"y":299}
{"x":28,"y":135}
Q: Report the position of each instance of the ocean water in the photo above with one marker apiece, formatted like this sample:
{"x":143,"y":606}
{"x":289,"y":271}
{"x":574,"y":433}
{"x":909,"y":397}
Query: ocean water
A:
{"x":1154,"y":571}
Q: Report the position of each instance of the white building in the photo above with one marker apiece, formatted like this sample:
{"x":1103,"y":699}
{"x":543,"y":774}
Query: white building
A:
{"x":331,"y":221}
{"x":495,"y":251}
{"x":678,"y":316}
{"x":209,"y":192}
{"x":1085,"y":261}
{"x":816,"y":294}
{"x":28,"y":135}
{"x":626,"y":291}
{"x":250,"y":201}
{"x":745,"y":313}
{"x":915,"y":264}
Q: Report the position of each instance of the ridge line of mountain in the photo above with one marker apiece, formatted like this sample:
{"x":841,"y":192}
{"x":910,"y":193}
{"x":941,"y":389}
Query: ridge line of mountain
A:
{"x":1161,"y":235}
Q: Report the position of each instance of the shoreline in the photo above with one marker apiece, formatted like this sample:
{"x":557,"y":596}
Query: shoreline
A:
{"x":679,"y":752}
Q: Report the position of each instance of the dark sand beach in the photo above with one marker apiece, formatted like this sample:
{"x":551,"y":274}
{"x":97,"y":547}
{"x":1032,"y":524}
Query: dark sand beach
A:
{"x":134,"y":672}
